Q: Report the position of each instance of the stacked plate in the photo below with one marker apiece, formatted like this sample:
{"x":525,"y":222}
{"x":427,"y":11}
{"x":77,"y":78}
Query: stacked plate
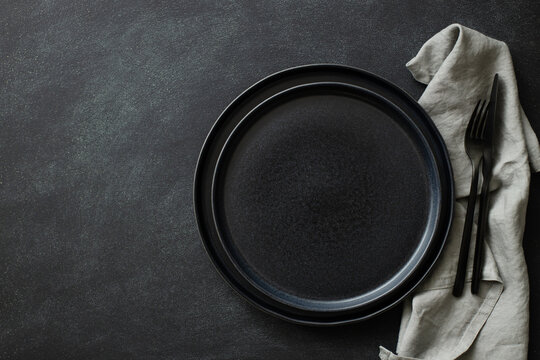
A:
{"x":323,"y":194}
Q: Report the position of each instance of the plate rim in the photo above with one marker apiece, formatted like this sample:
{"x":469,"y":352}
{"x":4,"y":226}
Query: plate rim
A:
{"x":434,"y":133}
{"x":228,"y":147}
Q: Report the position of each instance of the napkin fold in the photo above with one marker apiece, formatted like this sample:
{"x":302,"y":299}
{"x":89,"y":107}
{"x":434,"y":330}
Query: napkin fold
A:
{"x":458,"y":65}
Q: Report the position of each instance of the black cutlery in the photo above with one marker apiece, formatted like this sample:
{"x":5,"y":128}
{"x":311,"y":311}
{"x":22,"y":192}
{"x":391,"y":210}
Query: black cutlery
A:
{"x":474,"y":139}
{"x":487,"y":165}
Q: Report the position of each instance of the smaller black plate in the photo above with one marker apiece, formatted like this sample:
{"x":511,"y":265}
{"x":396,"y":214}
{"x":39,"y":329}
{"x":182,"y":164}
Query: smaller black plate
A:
{"x":327,"y":202}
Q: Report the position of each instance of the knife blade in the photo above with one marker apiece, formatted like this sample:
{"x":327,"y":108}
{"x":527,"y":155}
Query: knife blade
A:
{"x":487,"y":165}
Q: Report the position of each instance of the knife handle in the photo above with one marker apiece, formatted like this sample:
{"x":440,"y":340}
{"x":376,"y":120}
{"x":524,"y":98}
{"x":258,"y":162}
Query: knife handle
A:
{"x":480,"y":234}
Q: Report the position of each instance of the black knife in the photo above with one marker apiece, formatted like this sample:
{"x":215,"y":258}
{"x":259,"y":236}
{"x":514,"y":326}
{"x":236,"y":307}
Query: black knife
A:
{"x":487,"y":165}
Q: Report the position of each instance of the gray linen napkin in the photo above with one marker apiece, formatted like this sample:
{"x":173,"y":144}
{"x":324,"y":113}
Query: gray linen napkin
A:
{"x":458,"y":65}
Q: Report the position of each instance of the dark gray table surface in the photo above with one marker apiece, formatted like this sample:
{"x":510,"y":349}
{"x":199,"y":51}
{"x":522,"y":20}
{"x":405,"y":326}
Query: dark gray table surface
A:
{"x":104,"y":106}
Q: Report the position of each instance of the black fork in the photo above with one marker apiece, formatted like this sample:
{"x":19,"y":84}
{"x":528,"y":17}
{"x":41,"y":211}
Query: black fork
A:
{"x":474,"y":142}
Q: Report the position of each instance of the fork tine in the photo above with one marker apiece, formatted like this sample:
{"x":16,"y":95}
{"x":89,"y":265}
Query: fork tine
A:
{"x":484,"y":122}
{"x":479,"y":122}
{"x":476,"y":121}
{"x":472,"y":121}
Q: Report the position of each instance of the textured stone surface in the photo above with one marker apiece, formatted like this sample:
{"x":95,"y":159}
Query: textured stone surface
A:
{"x":104,"y":106}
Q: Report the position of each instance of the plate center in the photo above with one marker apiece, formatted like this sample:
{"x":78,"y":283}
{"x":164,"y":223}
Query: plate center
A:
{"x":325,"y":197}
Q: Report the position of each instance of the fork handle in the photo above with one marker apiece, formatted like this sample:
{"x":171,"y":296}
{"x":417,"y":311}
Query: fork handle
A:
{"x":467,"y":233}
{"x":482,"y":222}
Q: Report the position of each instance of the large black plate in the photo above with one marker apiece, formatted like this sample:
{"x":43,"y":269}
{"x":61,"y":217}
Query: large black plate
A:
{"x":323,"y":194}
